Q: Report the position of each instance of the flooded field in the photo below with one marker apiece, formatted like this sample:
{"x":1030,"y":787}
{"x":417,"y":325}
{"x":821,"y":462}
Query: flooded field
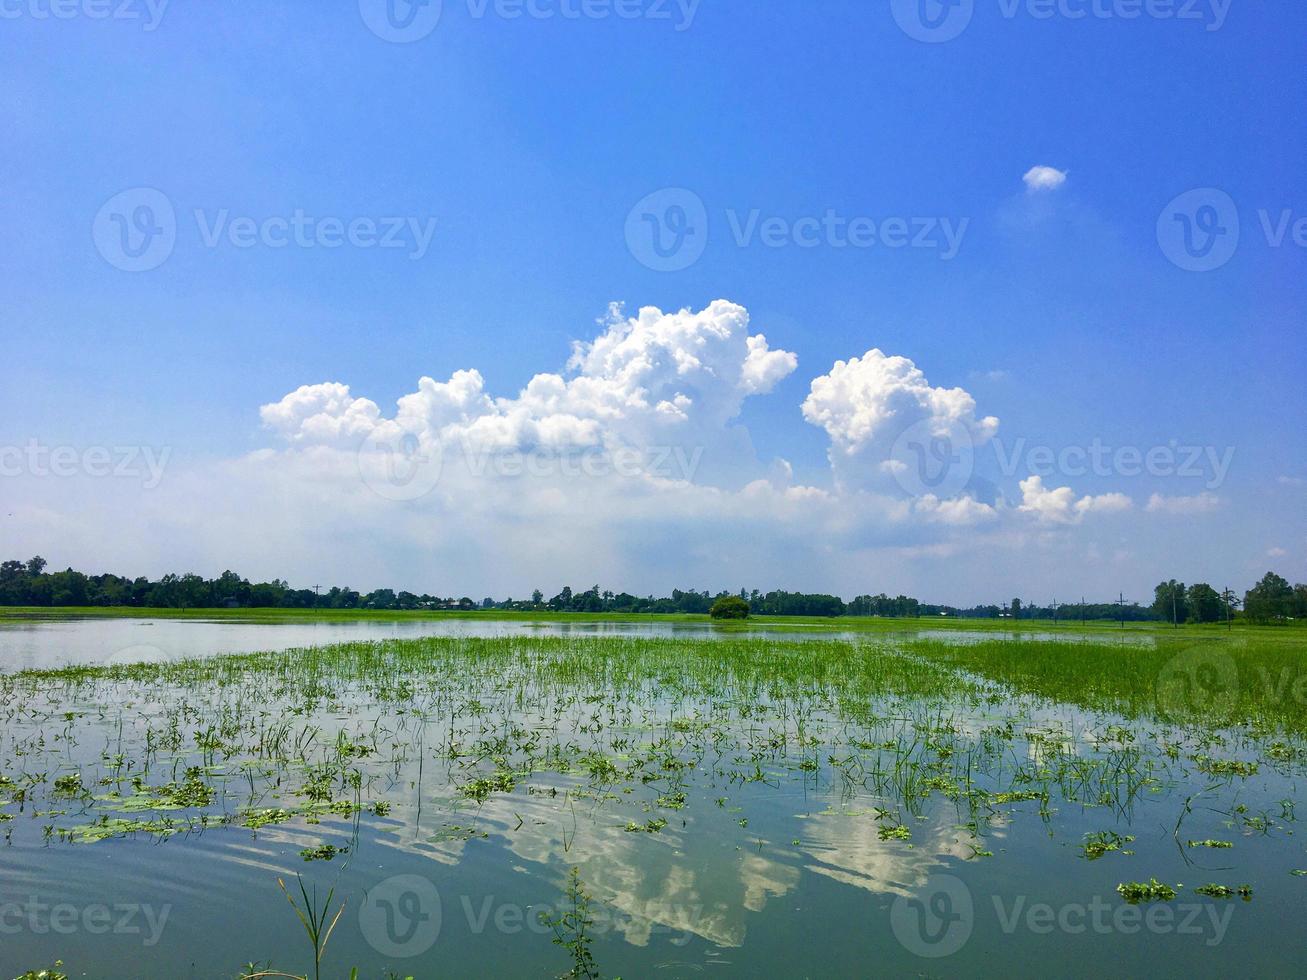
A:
{"x":32,"y":642}
{"x":538,"y":804}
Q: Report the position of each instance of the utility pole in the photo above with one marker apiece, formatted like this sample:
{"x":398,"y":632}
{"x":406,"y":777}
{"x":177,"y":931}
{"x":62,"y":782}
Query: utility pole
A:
{"x":1120,"y":608}
{"x":1228,"y":597}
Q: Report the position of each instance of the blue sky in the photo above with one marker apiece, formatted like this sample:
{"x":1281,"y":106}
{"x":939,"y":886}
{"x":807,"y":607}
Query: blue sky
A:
{"x":528,"y":140}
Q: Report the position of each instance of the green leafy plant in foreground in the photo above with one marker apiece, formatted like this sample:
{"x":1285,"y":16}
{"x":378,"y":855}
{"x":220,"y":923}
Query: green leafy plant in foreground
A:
{"x":314,"y":920}
{"x":571,"y":930}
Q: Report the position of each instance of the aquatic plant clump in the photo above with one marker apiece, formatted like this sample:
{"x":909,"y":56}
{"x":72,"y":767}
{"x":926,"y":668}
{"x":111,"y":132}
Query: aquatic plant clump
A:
{"x":1152,"y":890}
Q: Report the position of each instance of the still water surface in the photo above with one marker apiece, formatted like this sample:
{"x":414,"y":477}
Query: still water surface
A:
{"x":41,"y":644}
{"x":732,"y":808}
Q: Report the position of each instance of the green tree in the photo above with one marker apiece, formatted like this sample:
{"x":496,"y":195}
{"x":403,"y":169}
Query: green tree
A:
{"x":729,"y":607}
{"x":1204,"y":604}
{"x":1269,"y":600}
{"x":1169,"y":602}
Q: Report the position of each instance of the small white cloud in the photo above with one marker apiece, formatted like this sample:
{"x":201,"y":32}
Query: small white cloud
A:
{"x":1203,"y":503}
{"x":1292,"y":481}
{"x":1276,"y":553}
{"x":955,"y":510}
{"x":1042,"y":178}
{"x":1104,"y":503}
{"x":1060,"y":506}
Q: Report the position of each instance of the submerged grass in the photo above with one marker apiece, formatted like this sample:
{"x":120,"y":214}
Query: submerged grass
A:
{"x":653,"y":739}
{"x":1257,"y":678}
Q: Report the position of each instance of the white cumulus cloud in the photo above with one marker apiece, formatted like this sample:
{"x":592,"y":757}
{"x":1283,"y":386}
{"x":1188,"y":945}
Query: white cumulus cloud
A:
{"x":654,"y":378}
{"x":321,"y":414}
{"x":868,"y":402}
{"x":960,"y":510}
{"x":646,"y":480}
{"x":1060,"y":505}
{"x":1044,"y":178}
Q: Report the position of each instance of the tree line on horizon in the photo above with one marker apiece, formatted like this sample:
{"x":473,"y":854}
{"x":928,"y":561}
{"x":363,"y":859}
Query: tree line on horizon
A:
{"x":1271,"y":600}
{"x":27,"y":583}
